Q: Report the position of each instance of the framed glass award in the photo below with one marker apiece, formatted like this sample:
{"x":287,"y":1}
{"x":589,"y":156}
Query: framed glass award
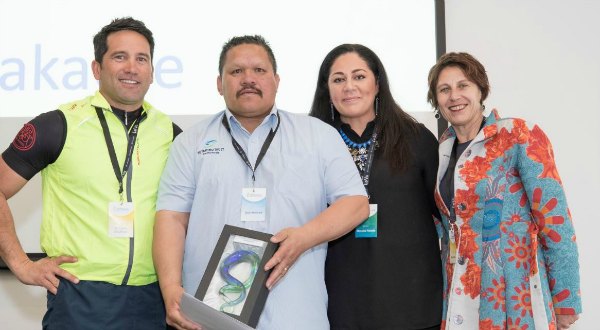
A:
{"x":234,"y":280}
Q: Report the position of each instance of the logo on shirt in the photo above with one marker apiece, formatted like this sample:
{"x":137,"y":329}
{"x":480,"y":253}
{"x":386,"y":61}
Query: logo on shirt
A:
{"x":25,"y":138}
{"x":211,"y":147}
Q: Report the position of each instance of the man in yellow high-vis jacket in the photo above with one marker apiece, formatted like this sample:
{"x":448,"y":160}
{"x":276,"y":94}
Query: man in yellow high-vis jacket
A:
{"x":101,"y":159}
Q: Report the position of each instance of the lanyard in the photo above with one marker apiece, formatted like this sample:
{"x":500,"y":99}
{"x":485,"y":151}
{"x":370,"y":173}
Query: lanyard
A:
{"x":111,"y":148}
{"x":450,"y":186}
{"x":364,"y":175}
{"x":263,"y":150}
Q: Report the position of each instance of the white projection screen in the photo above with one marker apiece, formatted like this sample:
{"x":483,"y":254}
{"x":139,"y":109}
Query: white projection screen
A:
{"x":46,"y":52}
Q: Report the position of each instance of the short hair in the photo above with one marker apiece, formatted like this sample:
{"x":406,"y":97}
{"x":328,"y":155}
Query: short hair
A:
{"x":120,"y":24}
{"x":470,"y":66}
{"x":247,"y":39}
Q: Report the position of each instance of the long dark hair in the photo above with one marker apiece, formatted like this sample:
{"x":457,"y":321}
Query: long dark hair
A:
{"x":394,"y":126}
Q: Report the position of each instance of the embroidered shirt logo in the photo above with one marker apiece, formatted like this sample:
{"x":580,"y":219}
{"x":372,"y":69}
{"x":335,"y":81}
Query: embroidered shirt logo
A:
{"x":25,"y":138}
{"x":211,"y":147}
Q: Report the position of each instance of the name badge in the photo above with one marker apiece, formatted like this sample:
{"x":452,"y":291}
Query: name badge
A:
{"x":120,"y":219}
{"x":451,"y":245}
{"x":254,"y":204}
{"x":368,"y":229}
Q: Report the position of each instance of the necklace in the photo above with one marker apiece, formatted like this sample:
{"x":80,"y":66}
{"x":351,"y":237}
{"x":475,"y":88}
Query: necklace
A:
{"x":359,"y":151}
{"x":352,"y":144}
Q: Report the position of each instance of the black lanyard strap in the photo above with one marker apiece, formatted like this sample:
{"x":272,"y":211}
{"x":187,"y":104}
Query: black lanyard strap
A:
{"x":238,"y":148}
{"x":111,"y":148}
{"x":450,"y":184}
{"x":367,"y":171}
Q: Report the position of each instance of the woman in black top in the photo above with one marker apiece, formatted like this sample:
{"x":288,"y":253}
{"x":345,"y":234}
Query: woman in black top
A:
{"x":386,"y":274}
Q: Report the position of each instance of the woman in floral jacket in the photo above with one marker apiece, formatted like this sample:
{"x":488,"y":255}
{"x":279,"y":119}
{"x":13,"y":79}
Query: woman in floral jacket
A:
{"x":509,"y":252}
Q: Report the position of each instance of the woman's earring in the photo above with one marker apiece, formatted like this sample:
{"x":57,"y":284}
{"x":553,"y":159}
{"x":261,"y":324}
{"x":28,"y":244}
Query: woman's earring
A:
{"x":482,"y":107}
{"x":376,"y":106}
{"x":436,"y":113}
{"x":332,"y":111}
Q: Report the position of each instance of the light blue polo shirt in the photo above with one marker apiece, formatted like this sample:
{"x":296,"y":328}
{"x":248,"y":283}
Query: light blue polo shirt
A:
{"x":306,"y":167}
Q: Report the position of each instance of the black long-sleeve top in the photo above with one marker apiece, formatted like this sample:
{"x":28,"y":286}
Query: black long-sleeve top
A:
{"x":393,"y":281}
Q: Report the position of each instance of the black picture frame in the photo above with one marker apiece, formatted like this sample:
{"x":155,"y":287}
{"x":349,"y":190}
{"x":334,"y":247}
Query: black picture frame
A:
{"x":234,"y":280}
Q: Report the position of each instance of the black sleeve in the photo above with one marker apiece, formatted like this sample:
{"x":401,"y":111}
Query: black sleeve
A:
{"x":176,"y":130}
{"x":428,"y":146}
{"x":37,"y":145}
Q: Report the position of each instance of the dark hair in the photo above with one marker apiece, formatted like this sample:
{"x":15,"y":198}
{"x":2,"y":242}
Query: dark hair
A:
{"x":253,"y":40}
{"x":394,"y":126}
{"x":120,"y":24}
{"x":469,"y":65}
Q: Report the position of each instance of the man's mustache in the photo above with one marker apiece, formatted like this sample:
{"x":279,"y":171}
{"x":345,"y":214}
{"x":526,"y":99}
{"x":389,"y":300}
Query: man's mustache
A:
{"x":248,"y":89}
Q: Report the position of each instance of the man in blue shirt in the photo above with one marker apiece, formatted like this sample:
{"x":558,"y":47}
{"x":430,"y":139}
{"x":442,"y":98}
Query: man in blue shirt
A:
{"x":296,"y":164}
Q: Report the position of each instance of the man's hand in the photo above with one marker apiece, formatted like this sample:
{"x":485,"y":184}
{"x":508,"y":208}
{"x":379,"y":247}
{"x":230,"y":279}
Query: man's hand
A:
{"x":336,"y":220}
{"x":293,"y":242}
{"x":45,"y":272}
{"x":175,"y":316}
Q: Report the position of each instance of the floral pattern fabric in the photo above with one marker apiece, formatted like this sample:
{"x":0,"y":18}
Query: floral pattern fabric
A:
{"x":517,"y":260}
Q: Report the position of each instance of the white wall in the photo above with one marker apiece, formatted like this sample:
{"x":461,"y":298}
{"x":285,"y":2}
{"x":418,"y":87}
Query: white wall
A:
{"x":542,"y":59}
{"x":21,"y":307}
